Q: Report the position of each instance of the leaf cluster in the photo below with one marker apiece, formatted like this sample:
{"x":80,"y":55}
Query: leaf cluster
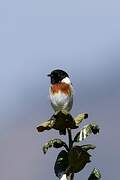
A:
{"x":74,"y":157}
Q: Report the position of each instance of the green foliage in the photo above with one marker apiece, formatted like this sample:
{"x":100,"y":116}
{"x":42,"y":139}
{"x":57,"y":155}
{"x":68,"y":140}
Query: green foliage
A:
{"x":61,"y":120}
{"x":74,"y":158}
{"x":61,"y":163}
{"x":56,"y":143}
{"x":86,"y":131}
{"x":95,"y":175}
{"x":78,"y":158}
{"x":88,"y":147}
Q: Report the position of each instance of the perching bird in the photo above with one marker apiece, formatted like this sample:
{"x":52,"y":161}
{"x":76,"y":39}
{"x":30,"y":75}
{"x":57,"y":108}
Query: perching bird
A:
{"x":60,"y":91}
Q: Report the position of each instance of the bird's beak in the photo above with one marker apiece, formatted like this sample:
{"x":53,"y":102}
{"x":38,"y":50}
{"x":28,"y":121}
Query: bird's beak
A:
{"x":49,"y":75}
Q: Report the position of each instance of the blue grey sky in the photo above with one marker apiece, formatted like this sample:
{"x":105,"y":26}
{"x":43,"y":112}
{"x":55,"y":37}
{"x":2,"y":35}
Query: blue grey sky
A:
{"x":81,"y":37}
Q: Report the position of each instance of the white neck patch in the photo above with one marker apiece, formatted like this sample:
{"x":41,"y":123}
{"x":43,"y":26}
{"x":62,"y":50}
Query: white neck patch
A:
{"x":66,"y":80}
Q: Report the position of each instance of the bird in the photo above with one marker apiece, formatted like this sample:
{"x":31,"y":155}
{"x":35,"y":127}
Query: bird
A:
{"x":60,"y":91}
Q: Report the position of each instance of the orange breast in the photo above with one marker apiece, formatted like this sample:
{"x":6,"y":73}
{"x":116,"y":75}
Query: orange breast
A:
{"x":63,"y":87}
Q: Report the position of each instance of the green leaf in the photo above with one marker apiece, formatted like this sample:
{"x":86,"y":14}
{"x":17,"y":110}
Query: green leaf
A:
{"x":86,"y":131}
{"x":78,"y":158}
{"x":95,"y":175}
{"x":56,"y":143}
{"x":80,"y":117}
{"x":63,"y":120}
{"x":61,"y":163}
{"x":88,"y":147}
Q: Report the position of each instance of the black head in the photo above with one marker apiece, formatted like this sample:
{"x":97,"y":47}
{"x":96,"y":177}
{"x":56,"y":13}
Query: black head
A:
{"x":57,"y":76}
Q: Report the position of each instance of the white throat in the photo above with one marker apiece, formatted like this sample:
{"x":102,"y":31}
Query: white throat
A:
{"x":66,"y":80}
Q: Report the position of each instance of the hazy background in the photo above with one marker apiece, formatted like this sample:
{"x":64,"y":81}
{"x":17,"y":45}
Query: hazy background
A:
{"x":81,"y":37}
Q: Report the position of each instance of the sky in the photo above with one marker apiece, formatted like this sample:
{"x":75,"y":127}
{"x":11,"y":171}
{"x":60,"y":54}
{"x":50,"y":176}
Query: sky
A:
{"x":80,"y":37}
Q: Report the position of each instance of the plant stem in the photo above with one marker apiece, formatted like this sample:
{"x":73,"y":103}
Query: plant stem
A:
{"x":70,"y":138}
{"x":71,"y":176}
